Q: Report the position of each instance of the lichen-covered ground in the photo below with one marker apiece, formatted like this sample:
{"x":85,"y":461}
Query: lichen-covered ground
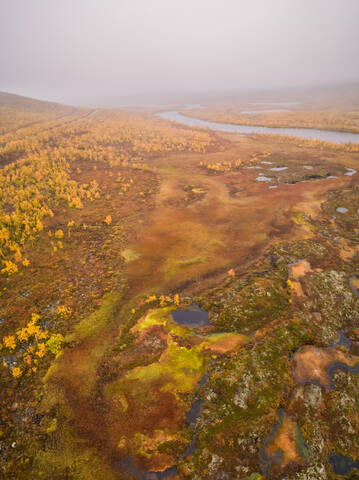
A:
{"x":98,"y":380}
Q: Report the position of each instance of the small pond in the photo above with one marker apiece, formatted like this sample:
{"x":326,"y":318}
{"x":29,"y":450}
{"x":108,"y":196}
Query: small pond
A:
{"x":341,"y":464}
{"x":262,"y":178}
{"x":278,"y":169}
{"x":193,"y":317}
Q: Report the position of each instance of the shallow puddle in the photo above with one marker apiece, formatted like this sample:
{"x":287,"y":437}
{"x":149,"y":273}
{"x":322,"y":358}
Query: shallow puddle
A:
{"x":262,"y":178}
{"x":278,"y":169}
{"x":342,"y":210}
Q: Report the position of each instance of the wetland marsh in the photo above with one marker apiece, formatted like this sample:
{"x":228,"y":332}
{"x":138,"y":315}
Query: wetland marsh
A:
{"x":179,"y":240}
{"x":184,"y":320}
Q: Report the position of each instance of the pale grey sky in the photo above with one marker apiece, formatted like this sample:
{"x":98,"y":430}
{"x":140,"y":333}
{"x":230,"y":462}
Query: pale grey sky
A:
{"x":85,"y":51}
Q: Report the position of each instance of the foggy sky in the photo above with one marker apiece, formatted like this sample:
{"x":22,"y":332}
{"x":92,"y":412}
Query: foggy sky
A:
{"x":89,"y":51}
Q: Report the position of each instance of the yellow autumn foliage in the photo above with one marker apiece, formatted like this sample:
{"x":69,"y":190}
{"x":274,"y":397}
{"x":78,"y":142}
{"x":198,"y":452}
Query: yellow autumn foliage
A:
{"x":9,"y":342}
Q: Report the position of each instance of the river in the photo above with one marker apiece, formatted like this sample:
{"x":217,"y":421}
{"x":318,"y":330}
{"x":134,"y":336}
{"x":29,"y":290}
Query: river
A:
{"x":310,"y":133}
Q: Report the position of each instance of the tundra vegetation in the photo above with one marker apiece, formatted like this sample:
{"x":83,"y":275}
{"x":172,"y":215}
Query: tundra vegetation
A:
{"x":110,"y":220}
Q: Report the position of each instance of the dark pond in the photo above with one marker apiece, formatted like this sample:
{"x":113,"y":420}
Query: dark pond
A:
{"x":130,"y":466}
{"x":311,"y":133}
{"x":341,"y":464}
{"x":193,"y":316}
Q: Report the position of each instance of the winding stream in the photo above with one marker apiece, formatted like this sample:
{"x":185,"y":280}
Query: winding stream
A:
{"x":310,"y":133}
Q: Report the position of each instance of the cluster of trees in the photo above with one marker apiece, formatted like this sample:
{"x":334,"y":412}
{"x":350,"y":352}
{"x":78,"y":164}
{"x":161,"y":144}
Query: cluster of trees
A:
{"x":108,"y":136}
{"x":30,"y":190}
{"x":30,"y":344}
{"x":116,"y":132}
{"x":39,"y":168}
{"x":222,"y":166}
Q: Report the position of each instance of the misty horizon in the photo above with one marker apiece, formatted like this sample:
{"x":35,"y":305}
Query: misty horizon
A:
{"x":297,"y":95}
{"x":111,"y":53}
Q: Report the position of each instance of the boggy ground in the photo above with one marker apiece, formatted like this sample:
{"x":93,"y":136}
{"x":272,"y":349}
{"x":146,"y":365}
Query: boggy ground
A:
{"x":124,"y":381}
{"x":179,"y":242}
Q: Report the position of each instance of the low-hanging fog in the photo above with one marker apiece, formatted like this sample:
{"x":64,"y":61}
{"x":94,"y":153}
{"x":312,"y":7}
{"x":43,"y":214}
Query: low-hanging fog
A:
{"x":106,"y":52}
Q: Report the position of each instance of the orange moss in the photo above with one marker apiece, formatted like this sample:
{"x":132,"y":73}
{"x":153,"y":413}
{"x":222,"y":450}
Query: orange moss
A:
{"x":285,"y":441}
{"x":310,"y":364}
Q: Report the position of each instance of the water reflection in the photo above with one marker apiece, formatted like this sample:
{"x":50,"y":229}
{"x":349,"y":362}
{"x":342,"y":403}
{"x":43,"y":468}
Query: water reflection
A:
{"x":326,"y":135}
